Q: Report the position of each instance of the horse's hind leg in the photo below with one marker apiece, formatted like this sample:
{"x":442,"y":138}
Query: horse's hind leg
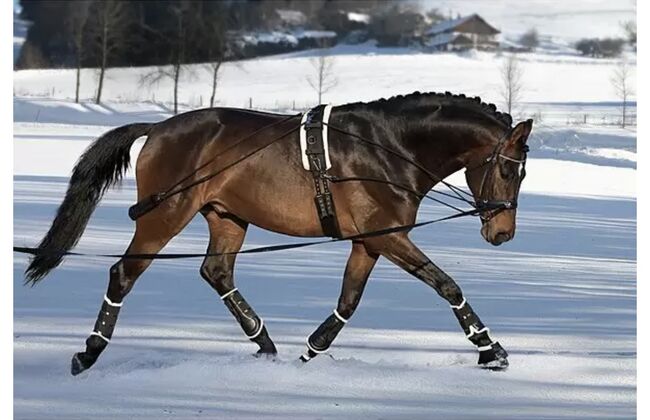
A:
{"x":399,"y":249}
{"x":227,"y":234}
{"x":360,"y":264}
{"x":150,"y":236}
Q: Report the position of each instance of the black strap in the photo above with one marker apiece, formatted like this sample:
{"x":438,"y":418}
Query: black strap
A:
{"x":315,"y":151}
{"x":262,"y":249}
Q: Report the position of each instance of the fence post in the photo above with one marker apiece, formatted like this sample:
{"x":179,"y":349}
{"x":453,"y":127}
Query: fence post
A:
{"x":250,"y":103}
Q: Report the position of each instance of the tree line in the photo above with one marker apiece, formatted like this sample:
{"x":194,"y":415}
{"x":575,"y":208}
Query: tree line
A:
{"x":164,"y":33}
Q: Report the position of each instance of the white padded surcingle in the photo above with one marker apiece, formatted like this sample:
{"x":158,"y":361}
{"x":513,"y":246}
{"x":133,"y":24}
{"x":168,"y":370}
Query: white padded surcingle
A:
{"x":303,"y":139}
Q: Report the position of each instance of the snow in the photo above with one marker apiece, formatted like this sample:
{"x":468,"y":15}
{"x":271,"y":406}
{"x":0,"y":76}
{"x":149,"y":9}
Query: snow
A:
{"x":359,"y":17}
{"x":364,"y":73}
{"x":566,"y":20}
{"x":560,"y":297}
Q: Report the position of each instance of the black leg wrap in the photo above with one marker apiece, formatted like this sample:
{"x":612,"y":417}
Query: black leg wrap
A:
{"x":98,"y":340}
{"x":322,"y":338}
{"x":106,"y":321}
{"x":491,"y":355}
{"x":264,"y":341}
{"x":244,"y":314}
{"x":474,"y":329}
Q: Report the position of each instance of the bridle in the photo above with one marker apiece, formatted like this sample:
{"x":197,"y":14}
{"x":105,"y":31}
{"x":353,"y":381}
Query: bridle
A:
{"x":491,"y":207}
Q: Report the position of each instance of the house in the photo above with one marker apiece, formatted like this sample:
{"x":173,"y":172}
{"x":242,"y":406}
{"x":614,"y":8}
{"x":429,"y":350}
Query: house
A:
{"x":288,"y":19}
{"x":463,"y":33}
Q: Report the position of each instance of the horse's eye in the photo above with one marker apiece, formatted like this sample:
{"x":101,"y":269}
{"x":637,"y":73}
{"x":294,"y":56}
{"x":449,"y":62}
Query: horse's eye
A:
{"x":507,"y":172}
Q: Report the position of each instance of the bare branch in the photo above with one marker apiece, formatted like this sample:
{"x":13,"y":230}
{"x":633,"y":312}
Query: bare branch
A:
{"x":621,"y":81}
{"x":323,"y":78}
{"x":512,"y":82}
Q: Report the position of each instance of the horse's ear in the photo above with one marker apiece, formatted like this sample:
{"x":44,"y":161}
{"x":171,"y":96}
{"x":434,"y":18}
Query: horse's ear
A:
{"x":521,"y":132}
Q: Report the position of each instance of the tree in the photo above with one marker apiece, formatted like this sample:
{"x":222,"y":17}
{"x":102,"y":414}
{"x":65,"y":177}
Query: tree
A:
{"x":177,"y":33}
{"x":630,"y":31}
{"x":323,"y":79}
{"x":511,"y":77}
{"x":110,"y":34}
{"x":530,"y":39}
{"x":606,"y":47}
{"x":213,"y":32}
{"x":78,"y":17}
{"x":621,"y":82}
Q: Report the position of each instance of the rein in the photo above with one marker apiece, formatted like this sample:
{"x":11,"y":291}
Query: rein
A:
{"x":148,"y":204}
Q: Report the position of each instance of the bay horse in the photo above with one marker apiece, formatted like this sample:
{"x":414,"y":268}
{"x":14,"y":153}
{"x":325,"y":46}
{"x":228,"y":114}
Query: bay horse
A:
{"x":442,"y":133}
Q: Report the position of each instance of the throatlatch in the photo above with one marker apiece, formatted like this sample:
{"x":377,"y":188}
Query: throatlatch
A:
{"x":313,"y":139}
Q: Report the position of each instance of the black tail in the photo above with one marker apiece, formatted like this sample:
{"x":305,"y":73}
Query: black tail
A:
{"x":101,"y":166}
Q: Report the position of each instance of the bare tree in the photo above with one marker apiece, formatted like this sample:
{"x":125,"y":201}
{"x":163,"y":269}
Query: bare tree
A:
{"x":512,"y":85}
{"x":109,"y":34}
{"x":213,"y":32}
{"x":177,"y":38}
{"x":621,"y":81}
{"x":78,"y":18}
{"x":630,"y":32}
{"x":323,"y":79}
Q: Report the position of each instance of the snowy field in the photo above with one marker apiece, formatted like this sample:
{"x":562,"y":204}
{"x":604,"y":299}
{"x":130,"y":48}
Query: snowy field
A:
{"x":560,"y":297}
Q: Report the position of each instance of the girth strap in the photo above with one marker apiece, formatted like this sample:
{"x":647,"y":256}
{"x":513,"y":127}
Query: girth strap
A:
{"x":317,"y":156}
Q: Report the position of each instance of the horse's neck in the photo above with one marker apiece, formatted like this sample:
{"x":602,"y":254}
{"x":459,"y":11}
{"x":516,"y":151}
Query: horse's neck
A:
{"x":443,"y":148}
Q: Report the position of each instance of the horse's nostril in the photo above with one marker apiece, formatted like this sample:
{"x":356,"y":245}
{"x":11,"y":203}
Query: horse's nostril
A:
{"x":502,"y":237}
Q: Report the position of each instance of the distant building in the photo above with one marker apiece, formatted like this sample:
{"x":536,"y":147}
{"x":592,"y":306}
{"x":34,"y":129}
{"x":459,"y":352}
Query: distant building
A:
{"x":290,"y":18}
{"x":463,"y":33}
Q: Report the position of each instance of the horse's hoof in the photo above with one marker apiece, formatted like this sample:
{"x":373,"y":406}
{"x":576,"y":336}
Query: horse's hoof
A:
{"x":309,"y":354}
{"x":494,"y":358}
{"x":80,"y":362}
{"x":264,"y":354}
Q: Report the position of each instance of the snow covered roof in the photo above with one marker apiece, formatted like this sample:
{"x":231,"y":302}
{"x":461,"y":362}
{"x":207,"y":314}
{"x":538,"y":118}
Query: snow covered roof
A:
{"x":358,"y":17}
{"x":292,"y":17}
{"x":314,"y":34}
{"x":446,"y":38}
{"x":451,"y":24}
{"x":277,"y":37}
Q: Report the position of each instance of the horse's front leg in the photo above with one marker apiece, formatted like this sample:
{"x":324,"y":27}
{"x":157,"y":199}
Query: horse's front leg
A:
{"x":399,"y":249}
{"x":360,"y":264}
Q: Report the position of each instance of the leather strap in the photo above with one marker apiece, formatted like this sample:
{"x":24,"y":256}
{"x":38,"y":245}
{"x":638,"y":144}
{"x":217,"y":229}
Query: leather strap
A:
{"x":316,"y":154}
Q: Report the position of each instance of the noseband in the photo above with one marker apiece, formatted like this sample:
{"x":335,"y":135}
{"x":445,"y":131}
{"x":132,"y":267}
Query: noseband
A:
{"x":491,"y":207}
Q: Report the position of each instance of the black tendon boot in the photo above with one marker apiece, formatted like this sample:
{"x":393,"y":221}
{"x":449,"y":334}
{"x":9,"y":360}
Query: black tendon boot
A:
{"x":491,"y":354}
{"x":99,"y":338}
{"x":252,"y":324}
{"x":322,"y":338}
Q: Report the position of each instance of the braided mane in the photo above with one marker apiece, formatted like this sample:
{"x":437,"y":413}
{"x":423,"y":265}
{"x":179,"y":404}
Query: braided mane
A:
{"x":439,"y":98}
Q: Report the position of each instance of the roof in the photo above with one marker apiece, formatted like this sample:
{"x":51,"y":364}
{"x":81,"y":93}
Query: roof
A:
{"x":358,"y":17}
{"x":446,"y":38}
{"x":292,"y":17}
{"x":452,"y":25}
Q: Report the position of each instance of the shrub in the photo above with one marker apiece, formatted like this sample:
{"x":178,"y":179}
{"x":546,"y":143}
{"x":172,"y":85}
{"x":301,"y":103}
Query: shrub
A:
{"x":606,"y":47}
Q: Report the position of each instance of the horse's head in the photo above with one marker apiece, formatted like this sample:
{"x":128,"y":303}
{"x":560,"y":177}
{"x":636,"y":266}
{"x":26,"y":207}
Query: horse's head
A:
{"x":495,"y":181}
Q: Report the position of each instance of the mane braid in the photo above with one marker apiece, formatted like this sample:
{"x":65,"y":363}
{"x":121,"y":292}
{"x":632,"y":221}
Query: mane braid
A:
{"x":436,"y":97}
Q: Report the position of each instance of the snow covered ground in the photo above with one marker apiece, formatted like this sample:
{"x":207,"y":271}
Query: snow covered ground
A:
{"x":560,"y":297}
{"x":564,"y":21}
